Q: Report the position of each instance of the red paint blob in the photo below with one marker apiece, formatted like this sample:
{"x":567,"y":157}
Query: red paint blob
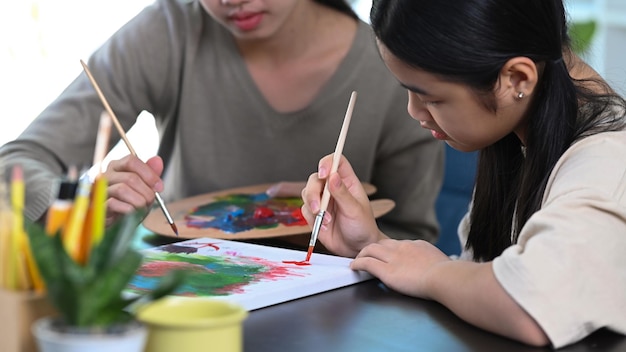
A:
{"x":296,"y":262}
{"x":297,"y":214}
{"x":263,"y":213}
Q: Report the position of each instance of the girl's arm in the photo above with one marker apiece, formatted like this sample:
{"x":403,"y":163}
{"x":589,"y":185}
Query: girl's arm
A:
{"x":469,"y":289}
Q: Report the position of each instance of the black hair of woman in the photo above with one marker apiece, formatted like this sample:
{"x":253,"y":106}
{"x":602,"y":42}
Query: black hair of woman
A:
{"x":486,"y":34}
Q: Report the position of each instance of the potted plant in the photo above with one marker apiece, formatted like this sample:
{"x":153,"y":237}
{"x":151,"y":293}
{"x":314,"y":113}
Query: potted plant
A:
{"x":89,"y":298}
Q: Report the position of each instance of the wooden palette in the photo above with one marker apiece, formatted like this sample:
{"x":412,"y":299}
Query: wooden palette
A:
{"x":179,"y":210}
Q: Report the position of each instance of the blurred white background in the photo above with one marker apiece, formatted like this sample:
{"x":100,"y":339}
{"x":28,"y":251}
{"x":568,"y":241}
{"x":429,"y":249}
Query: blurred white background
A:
{"x":42,"y":41}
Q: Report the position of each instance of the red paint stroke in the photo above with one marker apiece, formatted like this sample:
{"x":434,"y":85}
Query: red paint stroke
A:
{"x":263,"y":213}
{"x":202,"y":245}
{"x":296,"y":262}
{"x":161,"y":268}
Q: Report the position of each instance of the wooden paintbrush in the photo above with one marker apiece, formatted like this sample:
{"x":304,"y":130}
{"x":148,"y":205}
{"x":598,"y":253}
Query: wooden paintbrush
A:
{"x":120,"y":129}
{"x":326,"y":194}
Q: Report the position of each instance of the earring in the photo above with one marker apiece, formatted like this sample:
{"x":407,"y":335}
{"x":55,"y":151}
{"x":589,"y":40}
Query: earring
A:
{"x":520,"y":95}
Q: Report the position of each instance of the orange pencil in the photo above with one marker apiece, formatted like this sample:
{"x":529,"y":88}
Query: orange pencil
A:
{"x":59,"y":211}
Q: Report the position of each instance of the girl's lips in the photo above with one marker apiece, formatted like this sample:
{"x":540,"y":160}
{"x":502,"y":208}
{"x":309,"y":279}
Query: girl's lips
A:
{"x":247,"y":21}
{"x":439,"y":135}
{"x":435,"y":133}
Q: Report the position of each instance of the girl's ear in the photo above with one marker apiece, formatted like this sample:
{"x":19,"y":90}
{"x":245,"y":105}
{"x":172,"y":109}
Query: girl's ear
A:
{"x":518,"y":79}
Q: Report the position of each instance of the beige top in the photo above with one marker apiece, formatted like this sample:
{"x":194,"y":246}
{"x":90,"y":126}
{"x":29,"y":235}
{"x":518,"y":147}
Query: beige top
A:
{"x":568,"y":269}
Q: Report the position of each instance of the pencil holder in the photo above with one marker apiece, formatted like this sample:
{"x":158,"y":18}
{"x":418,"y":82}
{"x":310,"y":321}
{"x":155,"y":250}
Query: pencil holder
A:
{"x":193,"y":325}
{"x":18,"y":311}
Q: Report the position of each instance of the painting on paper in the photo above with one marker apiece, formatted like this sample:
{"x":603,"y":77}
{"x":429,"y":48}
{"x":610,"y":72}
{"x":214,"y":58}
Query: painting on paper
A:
{"x":252,"y":275}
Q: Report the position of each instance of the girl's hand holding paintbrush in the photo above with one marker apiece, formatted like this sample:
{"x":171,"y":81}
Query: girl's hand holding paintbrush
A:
{"x":349,"y":223}
{"x":132,"y":184}
{"x":352,"y":232}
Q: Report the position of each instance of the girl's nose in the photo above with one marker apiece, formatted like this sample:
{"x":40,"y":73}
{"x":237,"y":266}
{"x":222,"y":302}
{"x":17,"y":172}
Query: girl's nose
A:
{"x":417,"y":109}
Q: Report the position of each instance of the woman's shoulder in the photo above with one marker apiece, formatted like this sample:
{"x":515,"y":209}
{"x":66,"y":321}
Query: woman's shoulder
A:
{"x":595,"y":162}
{"x":609,"y":143}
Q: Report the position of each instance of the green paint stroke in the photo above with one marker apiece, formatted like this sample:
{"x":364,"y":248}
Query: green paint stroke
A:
{"x":207,"y":275}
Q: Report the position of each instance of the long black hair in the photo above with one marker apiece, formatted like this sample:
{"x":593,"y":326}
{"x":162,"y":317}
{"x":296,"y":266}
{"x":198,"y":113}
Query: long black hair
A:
{"x":340,"y":5}
{"x":469,"y":41}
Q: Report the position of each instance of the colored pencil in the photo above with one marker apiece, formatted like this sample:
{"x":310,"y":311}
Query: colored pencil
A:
{"x":336,"y":157}
{"x":20,"y":277}
{"x":73,"y":229}
{"x":5,"y":248}
{"x":102,"y":140}
{"x":122,"y":133}
{"x":94,"y":226}
{"x":93,"y":229}
{"x":5,"y":235}
{"x":59,"y":211}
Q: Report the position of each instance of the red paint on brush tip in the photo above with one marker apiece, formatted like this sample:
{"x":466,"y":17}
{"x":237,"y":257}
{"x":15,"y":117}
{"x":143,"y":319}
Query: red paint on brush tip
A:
{"x":308,"y":254}
{"x":175,"y":229}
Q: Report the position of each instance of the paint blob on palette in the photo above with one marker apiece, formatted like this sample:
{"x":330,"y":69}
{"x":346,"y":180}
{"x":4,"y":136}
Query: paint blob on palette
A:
{"x":253,"y":275}
{"x":240,"y":213}
{"x":234,"y":213}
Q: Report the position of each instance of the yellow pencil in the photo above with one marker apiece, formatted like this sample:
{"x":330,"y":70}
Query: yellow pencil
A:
{"x":99,"y":192}
{"x":5,"y":240}
{"x":34,"y":276}
{"x":18,"y":195}
{"x":74,"y":227}
{"x":93,"y":228}
{"x":99,"y":198}
{"x":20,"y":279}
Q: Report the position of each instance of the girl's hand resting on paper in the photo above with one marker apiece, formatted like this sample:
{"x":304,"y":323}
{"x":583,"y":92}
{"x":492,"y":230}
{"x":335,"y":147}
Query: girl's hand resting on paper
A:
{"x":132,"y":184}
{"x":403,"y":265}
{"x":349,"y":223}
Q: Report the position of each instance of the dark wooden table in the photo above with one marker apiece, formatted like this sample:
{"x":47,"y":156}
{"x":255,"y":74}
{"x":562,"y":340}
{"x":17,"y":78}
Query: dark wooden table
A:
{"x":370,"y":317}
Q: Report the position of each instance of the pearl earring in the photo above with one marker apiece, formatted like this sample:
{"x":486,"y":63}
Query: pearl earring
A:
{"x":520,"y":95}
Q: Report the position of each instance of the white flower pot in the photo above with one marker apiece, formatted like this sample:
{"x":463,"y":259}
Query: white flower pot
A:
{"x":50,"y":338}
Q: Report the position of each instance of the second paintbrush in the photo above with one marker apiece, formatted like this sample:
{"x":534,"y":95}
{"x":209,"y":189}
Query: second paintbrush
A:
{"x":326,"y":194}
{"x":122,"y":133}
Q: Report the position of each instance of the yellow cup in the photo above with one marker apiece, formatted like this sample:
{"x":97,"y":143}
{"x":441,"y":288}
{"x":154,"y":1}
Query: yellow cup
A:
{"x":193,"y":324}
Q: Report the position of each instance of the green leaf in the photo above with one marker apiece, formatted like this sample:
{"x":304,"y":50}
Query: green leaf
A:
{"x":105,"y":292}
{"x":92,"y":295}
